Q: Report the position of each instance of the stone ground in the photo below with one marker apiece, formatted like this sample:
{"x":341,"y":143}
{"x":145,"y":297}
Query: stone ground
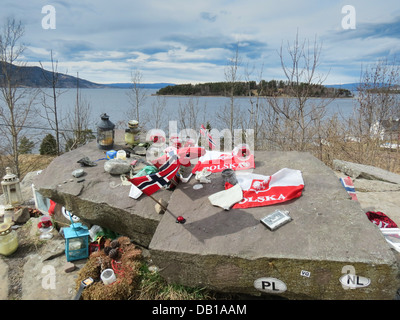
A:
{"x":36,"y":271}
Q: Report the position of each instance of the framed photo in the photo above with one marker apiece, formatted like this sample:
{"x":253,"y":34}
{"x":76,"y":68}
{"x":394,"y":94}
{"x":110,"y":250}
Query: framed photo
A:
{"x":392,"y":236}
{"x":41,"y":203}
{"x":276,"y":219}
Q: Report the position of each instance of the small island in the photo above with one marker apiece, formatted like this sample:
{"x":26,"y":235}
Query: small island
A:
{"x":270,"y":88}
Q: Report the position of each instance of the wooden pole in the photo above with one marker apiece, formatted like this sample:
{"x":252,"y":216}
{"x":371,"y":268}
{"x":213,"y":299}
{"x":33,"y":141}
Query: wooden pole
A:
{"x":162,"y":206}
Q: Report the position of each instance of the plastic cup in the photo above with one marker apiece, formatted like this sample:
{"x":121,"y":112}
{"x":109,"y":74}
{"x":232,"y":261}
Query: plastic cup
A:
{"x":108,"y":276}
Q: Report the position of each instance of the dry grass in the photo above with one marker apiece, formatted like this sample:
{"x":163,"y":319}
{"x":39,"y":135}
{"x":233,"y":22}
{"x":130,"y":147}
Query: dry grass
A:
{"x":134,"y":280}
{"x":33,"y":162}
{"x":367,"y":154}
{"x":27,"y":163}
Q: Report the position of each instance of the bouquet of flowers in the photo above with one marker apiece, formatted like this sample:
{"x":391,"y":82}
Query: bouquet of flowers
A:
{"x":45,"y":227}
{"x":45,"y":222}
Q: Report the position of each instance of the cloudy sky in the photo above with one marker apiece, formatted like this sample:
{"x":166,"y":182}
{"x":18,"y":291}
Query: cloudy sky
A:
{"x":192,"y":41}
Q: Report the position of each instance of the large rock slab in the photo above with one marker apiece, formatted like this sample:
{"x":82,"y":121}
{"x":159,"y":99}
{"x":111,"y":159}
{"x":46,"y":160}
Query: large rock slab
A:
{"x":44,"y":277}
{"x":228,"y":250}
{"x":378,"y":195}
{"x":100,"y":199}
{"x":356,"y":170}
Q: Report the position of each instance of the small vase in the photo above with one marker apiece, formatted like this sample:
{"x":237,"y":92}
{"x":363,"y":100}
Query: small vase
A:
{"x":46,"y":233}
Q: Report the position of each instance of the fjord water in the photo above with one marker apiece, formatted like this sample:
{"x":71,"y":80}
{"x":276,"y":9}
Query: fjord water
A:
{"x":115,"y":102}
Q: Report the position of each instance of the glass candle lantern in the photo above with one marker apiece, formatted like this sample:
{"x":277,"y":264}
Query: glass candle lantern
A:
{"x":105,"y":133}
{"x":132,"y":135}
{"x":129,"y":137}
{"x":8,"y":240}
{"x":8,"y":214}
{"x":76,"y":242}
{"x":11,"y":188}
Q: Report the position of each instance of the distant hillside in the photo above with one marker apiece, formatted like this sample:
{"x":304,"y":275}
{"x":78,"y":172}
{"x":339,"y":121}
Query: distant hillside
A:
{"x":372,"y":87}
{"x":35,"y":77}
{"x":348,"y":86}
{"x":142,"y":85}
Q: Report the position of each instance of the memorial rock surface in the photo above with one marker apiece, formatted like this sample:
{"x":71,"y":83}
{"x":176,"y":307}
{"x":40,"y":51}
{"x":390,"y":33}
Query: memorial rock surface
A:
{"x":101,"y":198}
{"x":231,"y":250}
{"x":329,"y":236}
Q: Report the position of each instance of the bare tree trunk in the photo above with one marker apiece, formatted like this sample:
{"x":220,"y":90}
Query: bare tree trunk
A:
{"x":230,"y":115}
{"x":296,"y":117}
{"x":78,"y":123}
{"x":376,"y":111}
{"x":255,"y":121}
{"x":51,"y":111}
{"x":18,"y":102}
{"x":137,"y":95}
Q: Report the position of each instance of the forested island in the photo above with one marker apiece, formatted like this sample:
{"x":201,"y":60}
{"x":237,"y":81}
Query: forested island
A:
{"x":252,"y":88}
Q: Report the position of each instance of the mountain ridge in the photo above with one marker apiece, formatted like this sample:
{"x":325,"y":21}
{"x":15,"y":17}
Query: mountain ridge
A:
{"x":37,"y":77}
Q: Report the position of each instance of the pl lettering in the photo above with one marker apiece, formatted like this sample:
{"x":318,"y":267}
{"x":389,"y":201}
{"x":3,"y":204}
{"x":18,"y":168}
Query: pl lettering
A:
{"x":267,"y":285}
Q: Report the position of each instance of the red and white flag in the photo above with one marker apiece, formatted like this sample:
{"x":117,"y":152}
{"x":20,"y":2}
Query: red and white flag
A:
{"x":349,"y":186}
{"x":151,"y":183}
{"x":260,"y":190}
{"x":215,"y":161}
{"x":204,"y":132}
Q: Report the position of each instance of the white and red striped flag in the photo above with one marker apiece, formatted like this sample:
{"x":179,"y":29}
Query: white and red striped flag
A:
{"x":349,"y":186}
{"x":204,"y":132}
{"x":215,"y":161}
{"x":260,"y":190}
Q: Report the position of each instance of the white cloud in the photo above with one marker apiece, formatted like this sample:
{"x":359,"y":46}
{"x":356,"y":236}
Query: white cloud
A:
{"x":192,"y":41}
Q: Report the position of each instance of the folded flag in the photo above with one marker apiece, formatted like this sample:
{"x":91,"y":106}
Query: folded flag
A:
{"x":380,"y":219}
{"x":204,"y":132}
{"x":149,"y":184}
{"x":216,"y":161}
{"x":349,"y":186}
{"x":260,"y":190}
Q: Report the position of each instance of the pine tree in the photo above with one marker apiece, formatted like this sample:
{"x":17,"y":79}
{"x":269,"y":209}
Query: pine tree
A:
{"x":25,"y":145}
{"x":48,"y":145}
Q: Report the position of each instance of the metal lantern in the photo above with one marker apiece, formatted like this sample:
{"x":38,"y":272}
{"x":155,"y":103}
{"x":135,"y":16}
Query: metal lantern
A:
{"x":76,"y":242}
{"x":105,"y":133}
{"x":11,"y":188}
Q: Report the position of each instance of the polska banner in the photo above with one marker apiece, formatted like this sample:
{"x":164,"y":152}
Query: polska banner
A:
{"x":260,"y":190}
{"x":215,"y":161}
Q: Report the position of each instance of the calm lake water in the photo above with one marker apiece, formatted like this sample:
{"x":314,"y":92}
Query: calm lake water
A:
{"x":115,"y":102}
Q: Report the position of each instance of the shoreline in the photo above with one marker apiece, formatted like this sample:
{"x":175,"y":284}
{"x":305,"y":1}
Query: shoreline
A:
{"x":220,"y":96}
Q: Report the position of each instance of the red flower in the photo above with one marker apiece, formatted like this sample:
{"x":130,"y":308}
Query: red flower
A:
{"x":45,"y":223}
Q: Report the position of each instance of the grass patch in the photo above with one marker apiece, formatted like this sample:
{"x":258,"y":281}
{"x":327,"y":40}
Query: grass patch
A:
{"x":153,"y":287}
{"x":135,"y":281}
